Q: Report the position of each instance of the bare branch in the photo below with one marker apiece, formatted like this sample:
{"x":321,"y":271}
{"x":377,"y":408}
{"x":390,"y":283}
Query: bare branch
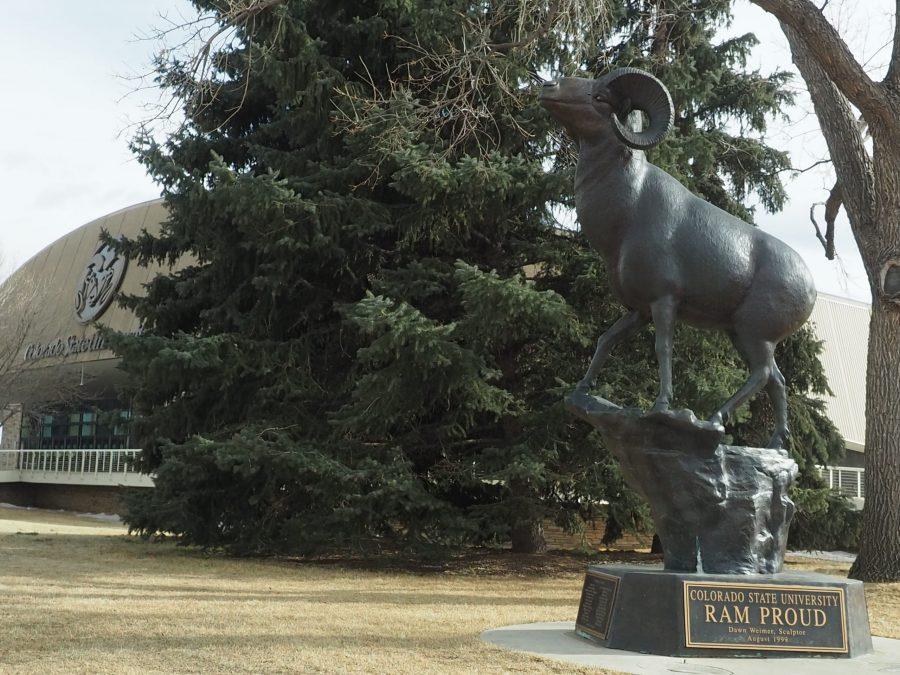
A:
{"x":812,"y":166}
{"x":832,"y":206}
{"x":819,"y":235}
{"x":198,"y":42}
{"x":829,"y":51}
{"x":540,"y":31}
{"x":441,"y":90}
{"x":22,"y":320}
{"x":843,"y":132}
{"x":893,"y":74}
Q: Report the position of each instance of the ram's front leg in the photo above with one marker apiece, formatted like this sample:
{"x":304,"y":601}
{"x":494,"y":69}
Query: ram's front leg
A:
{"x":621,"y":329}
{"x":663,"y":312}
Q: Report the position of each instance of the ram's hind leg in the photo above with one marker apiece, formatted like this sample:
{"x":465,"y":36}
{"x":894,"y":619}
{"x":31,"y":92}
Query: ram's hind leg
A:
{"x":778,"y":396}
{"x":620,"y":330}
{"x":663,"y":311}
{"x":759,"y":354}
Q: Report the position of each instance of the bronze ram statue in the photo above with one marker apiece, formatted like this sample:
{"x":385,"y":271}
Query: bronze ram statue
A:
{"x":671,"y":255}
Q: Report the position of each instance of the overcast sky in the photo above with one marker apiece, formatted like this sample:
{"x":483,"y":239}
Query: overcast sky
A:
{"x":64,"y":159}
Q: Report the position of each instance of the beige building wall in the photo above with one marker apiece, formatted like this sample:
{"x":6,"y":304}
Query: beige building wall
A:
{"x":11,"y":419}
{"x":843,"y":325}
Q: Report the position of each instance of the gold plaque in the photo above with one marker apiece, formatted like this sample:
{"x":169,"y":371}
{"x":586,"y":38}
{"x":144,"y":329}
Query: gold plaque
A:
{"x":764,"y":617}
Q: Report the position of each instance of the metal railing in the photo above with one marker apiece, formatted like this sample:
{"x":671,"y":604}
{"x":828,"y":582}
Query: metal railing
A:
{"x":848,"y":480}
{"x":81,"y":466}
{"x":105,"y":442}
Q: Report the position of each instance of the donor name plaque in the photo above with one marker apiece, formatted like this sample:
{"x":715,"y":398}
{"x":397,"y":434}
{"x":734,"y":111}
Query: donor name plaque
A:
{"x":598,"y":598}
{"x":764,"y":617}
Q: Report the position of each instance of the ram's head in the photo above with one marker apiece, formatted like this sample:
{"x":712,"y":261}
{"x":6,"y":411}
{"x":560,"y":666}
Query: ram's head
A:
{"x":591,"y":108}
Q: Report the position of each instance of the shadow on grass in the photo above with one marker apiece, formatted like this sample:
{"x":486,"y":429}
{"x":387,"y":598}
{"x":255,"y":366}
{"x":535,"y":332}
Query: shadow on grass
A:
{"x":59,"y":567}
{"x":476,"y":562}
{"x":488,"y":562}
{"x":98,"y":590}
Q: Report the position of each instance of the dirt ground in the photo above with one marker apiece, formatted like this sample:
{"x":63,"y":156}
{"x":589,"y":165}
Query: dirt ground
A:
{"x":78,"y":595}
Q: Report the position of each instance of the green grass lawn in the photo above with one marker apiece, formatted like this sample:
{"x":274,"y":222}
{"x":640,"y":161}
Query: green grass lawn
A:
{"x":78,"y":595}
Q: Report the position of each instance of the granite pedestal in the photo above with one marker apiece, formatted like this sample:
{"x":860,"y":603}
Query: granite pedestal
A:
{"x":655,"y":611}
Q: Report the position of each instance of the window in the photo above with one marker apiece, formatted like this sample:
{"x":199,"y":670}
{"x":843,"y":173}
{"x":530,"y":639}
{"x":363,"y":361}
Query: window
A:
{"x":47,"y":426}
{"x":74,"y":420}
{"x":101,"y":425}
{"x":87,"y":424}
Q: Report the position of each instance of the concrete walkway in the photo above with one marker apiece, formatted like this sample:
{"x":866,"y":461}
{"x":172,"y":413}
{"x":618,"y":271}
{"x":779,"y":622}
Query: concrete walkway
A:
{"x":558,"y":641}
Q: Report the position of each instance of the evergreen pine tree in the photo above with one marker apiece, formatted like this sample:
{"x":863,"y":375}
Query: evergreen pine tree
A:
{"x":369,"y":348}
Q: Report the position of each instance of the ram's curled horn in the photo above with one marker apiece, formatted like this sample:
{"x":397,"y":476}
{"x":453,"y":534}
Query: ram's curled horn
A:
{"x":646,"y":94}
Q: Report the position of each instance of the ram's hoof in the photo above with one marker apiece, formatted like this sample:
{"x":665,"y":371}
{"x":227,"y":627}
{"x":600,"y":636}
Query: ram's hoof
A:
{"x":660,"y":407}
{"x":779,"y":440}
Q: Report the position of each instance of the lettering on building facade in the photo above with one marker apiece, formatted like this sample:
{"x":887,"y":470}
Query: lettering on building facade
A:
{"x":598,"y":598}
{"x":68,"y":346}
{"x":765,"y":617}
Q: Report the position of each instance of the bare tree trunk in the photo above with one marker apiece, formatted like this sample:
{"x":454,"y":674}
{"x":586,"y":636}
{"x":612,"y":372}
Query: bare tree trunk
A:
{"x":870,"y":189}
{"x":528,"y":537}
{"x":879,"y":554}
{"x":526,"y":531}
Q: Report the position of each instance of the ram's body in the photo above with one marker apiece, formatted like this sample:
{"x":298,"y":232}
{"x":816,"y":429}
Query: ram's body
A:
{"x":660,"y":239}
{"x":671,"y":255}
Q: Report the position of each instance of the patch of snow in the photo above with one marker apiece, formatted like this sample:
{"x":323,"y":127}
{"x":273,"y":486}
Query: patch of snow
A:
{"x":833,"y":556}
{"x":110,"y":517}
{"x":105,"y":517}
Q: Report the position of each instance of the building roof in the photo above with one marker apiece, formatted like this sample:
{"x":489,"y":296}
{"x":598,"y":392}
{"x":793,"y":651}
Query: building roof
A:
{"x":843,"y":325}
{"x":50,"y":307}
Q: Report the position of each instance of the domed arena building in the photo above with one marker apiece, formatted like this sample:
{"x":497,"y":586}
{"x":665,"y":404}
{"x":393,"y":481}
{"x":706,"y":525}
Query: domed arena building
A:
{"x":66,"y":440}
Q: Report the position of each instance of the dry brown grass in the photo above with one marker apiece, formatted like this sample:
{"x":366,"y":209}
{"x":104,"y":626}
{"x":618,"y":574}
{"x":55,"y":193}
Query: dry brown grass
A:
{"x":79,"y":596}
{"x":883,"y":600}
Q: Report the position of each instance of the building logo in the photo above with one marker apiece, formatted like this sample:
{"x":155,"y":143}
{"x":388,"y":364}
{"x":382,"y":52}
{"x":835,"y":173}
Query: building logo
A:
{"x":98,"y":283}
